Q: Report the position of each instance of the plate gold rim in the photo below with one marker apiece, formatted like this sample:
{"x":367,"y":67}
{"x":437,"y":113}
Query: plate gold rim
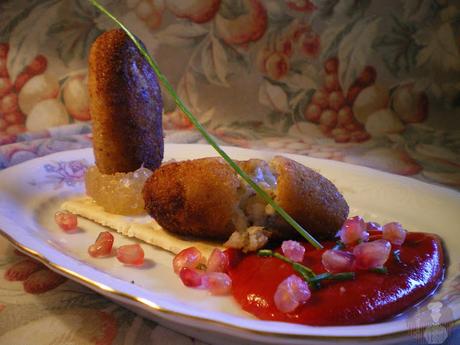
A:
{"x":152,"y":306}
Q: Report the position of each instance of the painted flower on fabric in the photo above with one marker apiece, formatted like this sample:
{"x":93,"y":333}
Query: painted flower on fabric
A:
{"x":35,"y":277}
{"x":176,"y":120}
{"x":148,"y":11}
{"x":198,"y":11}
{"x":395,"y":161}
{"x":276,"y":65}
{"x":7,"y":138}
{"x":88,"y":327}
{"x":12,"y":116}
{"x":241,"y":21}
{"x":310,"y":44}
{"x":301,"y":5}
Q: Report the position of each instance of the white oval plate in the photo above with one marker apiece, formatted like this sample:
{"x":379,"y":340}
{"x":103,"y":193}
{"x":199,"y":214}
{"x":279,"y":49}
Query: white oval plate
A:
{"x":31,"y":193}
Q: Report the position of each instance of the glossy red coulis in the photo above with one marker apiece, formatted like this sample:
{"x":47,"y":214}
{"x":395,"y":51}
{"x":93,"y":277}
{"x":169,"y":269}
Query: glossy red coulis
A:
{"x":371,"y":297}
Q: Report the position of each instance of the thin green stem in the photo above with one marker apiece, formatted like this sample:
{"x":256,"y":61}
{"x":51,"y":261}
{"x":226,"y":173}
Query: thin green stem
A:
{"x":205,"y":134}
{"x":333,"y":276}
{"x":305,"y":271}
{"x":397,"y":256}
{"x":379,"y":270}
{"x":313,"y":279}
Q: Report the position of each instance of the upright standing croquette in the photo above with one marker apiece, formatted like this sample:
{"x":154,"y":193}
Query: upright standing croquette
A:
{"x":125,"y":104}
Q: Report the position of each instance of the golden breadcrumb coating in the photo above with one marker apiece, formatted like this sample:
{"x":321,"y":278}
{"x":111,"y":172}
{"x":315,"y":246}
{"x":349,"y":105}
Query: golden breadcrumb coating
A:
{"x":310,"y":198}
{"x":196,"y":197}
{"x":206,"y":198}
{"x":125,"y":104}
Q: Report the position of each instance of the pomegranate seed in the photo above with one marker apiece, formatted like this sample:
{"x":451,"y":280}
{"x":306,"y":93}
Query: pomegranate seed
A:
{"x":354,"y":230}
{"x":290,"y":293}
{"x":67,"y":221}
{"x":371,"y":254}
{"x":131,"y":254}
{"x":395,"y":233}
{"x":189,"y":257}
{"x":191,"y":277}
{"x":234,"y":256}
{"x":217,"y":261}
{"x":217,"y":283}
{"x":372,"y":226}
{"x":293,"y":250}
{"x":102,"y":246}
{"x":337,"y":261}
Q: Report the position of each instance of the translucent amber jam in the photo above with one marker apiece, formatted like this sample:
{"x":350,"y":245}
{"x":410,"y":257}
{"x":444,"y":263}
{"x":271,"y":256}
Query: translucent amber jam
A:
{"x":120,"y":193}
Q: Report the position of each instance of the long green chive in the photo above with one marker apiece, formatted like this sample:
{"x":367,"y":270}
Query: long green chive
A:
{"x":205,"y":134}
{"x":314,"y":280}
{"x":265,"y":252}
{"x":333,"y":276}
{"x":304,"y":271}
{"x":379,"y":270}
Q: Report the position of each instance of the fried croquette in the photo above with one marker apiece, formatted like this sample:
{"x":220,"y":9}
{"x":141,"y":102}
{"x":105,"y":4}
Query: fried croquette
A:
{"x":308,"y":197}
{"x":125,"y":104}
{"x":195,"y":197}
{"x":205,"y":198}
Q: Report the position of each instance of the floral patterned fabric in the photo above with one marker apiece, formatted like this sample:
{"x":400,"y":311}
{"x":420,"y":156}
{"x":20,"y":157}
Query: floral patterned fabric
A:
{"x":365,"y":82}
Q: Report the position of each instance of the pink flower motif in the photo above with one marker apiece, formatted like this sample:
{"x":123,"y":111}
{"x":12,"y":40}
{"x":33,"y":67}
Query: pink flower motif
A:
{"x":59,"y":173}
{"x":76,"y":169}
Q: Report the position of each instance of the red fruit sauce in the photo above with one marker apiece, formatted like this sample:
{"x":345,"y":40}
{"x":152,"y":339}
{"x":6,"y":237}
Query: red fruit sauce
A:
{"x":371,"y":297}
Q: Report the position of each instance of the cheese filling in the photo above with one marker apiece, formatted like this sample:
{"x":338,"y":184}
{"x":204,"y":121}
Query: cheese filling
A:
{"x":253,"y":212}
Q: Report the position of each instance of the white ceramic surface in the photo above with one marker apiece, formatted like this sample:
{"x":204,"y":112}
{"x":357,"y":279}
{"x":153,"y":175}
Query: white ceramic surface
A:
{"x":31,"y":192}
